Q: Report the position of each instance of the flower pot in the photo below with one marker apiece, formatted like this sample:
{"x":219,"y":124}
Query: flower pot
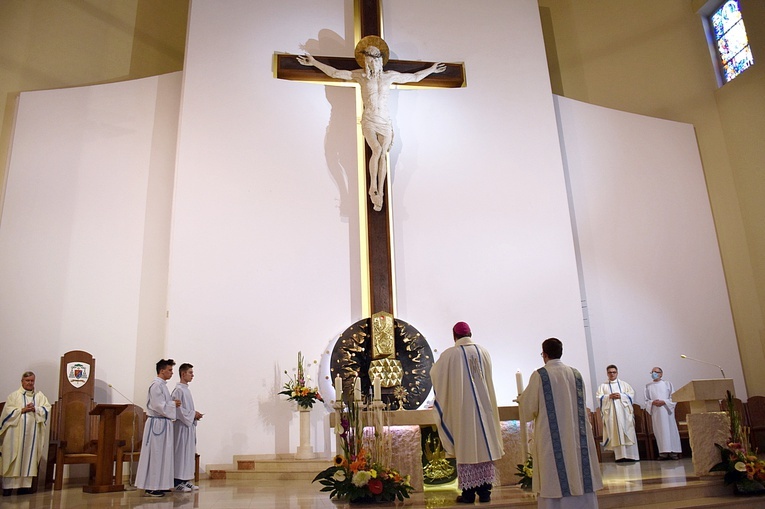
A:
{"x":366,"y":499}
{"x":746,"y":488}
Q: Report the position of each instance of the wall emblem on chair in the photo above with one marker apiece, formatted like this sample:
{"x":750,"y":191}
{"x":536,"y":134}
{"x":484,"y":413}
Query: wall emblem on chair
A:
{"x":77,"y":373}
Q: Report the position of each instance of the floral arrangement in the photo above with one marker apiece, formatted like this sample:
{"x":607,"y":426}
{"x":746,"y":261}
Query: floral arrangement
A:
{"x":357,"y":475}
{"x":740,"y":464}
{"x":297,"y":389}
{"x":525,"y":472}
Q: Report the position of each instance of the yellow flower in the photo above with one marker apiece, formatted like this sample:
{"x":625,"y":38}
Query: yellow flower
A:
{"x":339,"y":461}
{"x":373,"y":472}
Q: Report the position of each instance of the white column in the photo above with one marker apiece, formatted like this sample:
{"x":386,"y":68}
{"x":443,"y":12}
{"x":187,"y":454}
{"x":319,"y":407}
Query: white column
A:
{"x":305,"y":450}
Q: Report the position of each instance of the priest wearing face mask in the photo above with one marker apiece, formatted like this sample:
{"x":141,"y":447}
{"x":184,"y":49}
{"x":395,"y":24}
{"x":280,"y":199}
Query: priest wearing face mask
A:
{"x":615,"y":398}
{"x":661,"y":408}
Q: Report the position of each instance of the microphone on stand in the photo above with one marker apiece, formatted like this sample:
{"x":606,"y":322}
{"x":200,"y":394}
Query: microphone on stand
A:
{"x":131,"y":481}
{"x":704,"y":362}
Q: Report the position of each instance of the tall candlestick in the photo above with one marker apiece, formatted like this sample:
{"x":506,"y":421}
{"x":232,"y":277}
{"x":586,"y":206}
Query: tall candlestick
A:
{"x":519,"y":381}
{"x":357,"y":389}
{"x":338,"y":388}
{"x":378,"y":388}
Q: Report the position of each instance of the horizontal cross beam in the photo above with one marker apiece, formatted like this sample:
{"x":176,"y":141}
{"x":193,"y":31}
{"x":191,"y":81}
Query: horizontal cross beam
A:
{"x":287,"y":67}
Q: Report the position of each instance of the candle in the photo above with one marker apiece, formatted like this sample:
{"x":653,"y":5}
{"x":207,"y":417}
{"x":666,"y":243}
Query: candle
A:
{"x":357,"y":389}
{"x":378,"y":388}
{"x":338,"y":388}
{"x":519,"y":381}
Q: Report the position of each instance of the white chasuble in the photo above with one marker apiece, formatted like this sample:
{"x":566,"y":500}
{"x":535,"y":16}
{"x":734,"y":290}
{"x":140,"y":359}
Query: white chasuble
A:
{"x":466,"y":406}
{"x":618,"y":419}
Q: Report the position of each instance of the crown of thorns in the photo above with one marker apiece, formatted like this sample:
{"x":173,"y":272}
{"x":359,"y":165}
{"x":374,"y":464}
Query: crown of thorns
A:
{"x":366,"y":42}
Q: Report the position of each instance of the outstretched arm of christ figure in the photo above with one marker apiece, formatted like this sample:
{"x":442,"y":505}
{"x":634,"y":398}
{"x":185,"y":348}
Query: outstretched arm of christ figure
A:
{"x":330,"y":71}
{"x":415,"y":77}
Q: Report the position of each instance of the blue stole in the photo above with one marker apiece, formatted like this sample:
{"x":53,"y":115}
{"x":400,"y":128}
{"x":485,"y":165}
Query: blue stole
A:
{"x":552,"y":418}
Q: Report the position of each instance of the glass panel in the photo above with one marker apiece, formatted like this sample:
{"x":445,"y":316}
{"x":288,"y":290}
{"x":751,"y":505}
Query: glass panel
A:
{"x":732,"y":41}
{"x":738,"y":64}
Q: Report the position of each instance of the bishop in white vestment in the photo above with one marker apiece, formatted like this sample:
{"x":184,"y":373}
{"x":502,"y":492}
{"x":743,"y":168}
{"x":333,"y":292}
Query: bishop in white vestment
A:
{"x":566,"y":468}
{"x":615,"y":398}
{"x":155,"y":465}
{"x":468,"y":418}
{"x":23,"y":434}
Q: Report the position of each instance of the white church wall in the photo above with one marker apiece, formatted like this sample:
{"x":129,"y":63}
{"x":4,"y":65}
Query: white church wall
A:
{"x":653,"y":277}
{"x":265,"y":243}
{"x":84,"y":233}
{"x":481,"y":218}
{"x":264,"y":255}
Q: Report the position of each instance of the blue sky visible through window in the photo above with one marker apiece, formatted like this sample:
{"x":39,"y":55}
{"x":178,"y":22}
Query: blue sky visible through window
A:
{"x":732,"y":43}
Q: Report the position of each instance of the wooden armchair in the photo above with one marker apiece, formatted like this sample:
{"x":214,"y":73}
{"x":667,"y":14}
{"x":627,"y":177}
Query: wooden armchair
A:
{"x":596,"y":420}
{"x":682,"y":409}
{"x":643,"y":432}
{"x":75,"y":437}
{"x":130,"y":425}
{"x":755,"y":407}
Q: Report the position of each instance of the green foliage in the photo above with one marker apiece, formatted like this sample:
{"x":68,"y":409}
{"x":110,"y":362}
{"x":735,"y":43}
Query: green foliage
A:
{"x":525,"y":472}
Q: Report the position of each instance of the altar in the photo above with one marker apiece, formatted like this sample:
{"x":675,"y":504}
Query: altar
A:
{"x":404,"y":429}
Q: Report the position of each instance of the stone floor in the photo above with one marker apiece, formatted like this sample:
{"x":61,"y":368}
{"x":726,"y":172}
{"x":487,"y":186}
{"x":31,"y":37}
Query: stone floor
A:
{"x":658,"y":485}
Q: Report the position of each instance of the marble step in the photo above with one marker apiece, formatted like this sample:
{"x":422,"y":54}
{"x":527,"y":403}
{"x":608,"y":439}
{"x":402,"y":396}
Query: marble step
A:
{"x":728,"y":502}
{"x":282,"y":468}
{"x":694,"y":493}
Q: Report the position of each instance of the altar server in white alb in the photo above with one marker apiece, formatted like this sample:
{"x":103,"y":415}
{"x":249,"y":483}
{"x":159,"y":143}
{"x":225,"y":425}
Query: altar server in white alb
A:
{"x":468,"y":418}
{"x":24,"y":435}
{"x":566,"y":468}
{"x":185,"y":431}
{"x":659,"y":404}
{"x":155,"y":465}
{"x":615,"y":398}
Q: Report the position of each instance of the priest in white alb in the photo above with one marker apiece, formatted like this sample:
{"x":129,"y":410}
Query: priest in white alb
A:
{"x":615,"y":398}
{"x":185,"y":432}
{"x":468,"y":418}
{"x":566,"y":468}
{"x":661,"y":408}
{"x":155,"y":465}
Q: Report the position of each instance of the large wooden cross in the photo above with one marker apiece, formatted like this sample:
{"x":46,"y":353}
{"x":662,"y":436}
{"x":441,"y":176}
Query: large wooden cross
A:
{"x":379,"y":255}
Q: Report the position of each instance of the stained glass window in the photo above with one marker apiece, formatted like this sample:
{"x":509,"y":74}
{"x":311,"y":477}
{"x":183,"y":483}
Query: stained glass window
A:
{"x":732,"y":43}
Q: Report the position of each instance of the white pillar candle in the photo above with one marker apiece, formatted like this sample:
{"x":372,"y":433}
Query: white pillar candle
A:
{"x":338,"y":388}
{"x":378,"y":388}
{"x":519,"y":381}
{"x":357,"y":389}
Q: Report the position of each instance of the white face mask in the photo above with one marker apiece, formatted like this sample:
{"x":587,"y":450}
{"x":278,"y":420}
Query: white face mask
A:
{"x":655,"y":376}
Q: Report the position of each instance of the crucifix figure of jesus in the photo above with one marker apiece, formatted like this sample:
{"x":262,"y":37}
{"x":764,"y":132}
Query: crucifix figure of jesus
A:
{"x":378,"y":280}
{"x":372,"y":54}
